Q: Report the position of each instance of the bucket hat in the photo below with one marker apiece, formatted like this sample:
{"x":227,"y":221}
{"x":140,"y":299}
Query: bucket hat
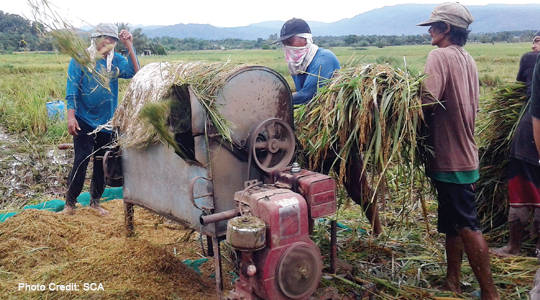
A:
{"x":107,"y":29}
{"x":452,"y":13}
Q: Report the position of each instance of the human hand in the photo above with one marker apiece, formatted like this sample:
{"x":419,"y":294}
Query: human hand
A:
{"x":126,"y":38}
{"x":73,"y":126}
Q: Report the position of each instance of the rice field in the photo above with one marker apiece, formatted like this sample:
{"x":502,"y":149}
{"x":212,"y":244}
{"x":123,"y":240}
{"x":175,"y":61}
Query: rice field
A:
{"x":405,"y":262}
{"x":30,"y":80}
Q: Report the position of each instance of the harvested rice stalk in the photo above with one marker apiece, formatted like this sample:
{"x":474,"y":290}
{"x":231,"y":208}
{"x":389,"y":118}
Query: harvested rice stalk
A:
{"x":67,"y":38}
{"x":374,"y":108}
{"x":155,"y":114}
{"x":162,"y":81}
{"x":496,"y":130}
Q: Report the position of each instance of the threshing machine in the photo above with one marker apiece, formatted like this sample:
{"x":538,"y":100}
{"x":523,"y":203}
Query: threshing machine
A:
{"x":245,"y":191}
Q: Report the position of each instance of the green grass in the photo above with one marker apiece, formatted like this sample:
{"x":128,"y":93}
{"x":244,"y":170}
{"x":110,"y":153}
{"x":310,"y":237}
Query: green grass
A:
{"x":30,"y":80}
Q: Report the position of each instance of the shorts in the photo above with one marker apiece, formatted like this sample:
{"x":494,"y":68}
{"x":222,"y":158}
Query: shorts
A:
{"x":523,"y":184}
{"x":457,"y":207}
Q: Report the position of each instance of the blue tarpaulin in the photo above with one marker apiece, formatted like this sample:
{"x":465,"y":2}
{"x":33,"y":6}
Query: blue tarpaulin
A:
{"x":57,"y":205}
{"x":195,"y":264}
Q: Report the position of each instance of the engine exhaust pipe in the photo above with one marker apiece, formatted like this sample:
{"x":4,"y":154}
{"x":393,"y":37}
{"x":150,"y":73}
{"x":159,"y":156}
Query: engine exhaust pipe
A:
{"x":213,"y":218}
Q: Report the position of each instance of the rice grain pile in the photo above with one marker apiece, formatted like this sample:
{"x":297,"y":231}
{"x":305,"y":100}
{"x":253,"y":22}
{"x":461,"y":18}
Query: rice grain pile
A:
{"x":42,"y":247}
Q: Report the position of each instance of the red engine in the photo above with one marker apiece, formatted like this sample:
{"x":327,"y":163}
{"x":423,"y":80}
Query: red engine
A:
{"x":319,"y":190}
{"x":278,"y":259}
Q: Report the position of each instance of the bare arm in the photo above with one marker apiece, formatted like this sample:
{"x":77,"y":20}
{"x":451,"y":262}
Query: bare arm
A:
{"x":127,"y":40}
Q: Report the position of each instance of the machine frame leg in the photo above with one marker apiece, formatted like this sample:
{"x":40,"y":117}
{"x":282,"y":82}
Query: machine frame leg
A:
{"x":333,"y":246}
{"x":128,"y":216}
{"x":210,"y":246}
{"x":217,"y":266}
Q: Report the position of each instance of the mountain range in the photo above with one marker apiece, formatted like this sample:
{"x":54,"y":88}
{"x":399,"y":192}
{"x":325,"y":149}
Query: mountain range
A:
{"x":389,"y":20}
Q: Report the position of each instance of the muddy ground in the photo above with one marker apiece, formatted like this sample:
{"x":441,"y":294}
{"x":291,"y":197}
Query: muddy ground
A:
{"x":30,"y":172}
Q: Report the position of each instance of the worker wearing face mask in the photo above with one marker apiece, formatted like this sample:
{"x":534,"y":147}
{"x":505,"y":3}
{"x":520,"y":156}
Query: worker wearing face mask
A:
{"x":310,"y":68}
{"x":308,"y":64}
{"x":90,"y":105}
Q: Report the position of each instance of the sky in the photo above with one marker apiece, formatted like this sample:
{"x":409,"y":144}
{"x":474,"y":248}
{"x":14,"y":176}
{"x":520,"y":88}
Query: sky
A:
{"x":220,"y":13}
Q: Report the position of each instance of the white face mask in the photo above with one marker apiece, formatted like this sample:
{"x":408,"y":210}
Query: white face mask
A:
{"x":299,"y":58}
{"x":295,"y":55}
{"x":93,"y":51}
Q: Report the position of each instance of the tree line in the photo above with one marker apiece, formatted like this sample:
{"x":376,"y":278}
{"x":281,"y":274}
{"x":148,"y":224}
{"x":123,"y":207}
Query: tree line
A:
{"x":20,"y":34}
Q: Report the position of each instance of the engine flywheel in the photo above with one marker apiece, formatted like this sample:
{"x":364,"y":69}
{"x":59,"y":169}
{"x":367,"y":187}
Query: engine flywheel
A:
{"x":299,"y":270}
{"x":271,"y":144}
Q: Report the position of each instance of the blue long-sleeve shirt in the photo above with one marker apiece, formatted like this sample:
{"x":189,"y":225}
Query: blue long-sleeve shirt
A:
{"x":321,"y":67}
{"x":93,"y":103}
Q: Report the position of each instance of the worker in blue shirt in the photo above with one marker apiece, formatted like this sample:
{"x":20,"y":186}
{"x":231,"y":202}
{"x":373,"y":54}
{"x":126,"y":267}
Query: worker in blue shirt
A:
{"x":91,"y":102}
{"x":309,"y":65}
{"x":310,"y":68}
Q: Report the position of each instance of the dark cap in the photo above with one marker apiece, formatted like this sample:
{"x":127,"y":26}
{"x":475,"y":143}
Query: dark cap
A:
{"x":291,"y":28}
{"x":537,"y":33}
{"x":452,"y":13}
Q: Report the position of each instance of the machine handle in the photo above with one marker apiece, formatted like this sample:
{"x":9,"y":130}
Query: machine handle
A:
{"x":192,"y":196}
{"x":105,"y":158}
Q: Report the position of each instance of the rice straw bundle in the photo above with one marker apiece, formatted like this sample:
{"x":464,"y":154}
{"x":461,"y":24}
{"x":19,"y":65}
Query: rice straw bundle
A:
{"x":156,"y":82}
{"x":374,"y":108}
{"x":67,"y":38}
{"x":496,"y":130}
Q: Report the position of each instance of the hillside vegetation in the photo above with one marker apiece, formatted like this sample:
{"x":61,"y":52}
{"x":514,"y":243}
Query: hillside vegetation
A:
{"x":20,"y":34}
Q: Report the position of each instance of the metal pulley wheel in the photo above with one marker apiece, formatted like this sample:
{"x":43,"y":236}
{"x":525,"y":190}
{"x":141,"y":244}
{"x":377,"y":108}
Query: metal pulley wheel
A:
{"x":299,"y":271}
{"x":271,"y":144}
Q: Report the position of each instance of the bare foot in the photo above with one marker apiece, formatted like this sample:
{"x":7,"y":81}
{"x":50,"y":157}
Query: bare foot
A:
{"x":68,"y":210}
{"x":377,"y":230}
{"x":504,"y":252}
{"x":447,"y":287}
{"x":102,"y":211}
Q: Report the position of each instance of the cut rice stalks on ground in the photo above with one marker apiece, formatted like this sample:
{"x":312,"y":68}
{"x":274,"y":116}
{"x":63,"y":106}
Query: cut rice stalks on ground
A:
{"x":409,"y":262}
{"x":161,"y":89}
{"x":42,"y":247}
{"x":500,"y":116}
{"x":376,"y":109}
